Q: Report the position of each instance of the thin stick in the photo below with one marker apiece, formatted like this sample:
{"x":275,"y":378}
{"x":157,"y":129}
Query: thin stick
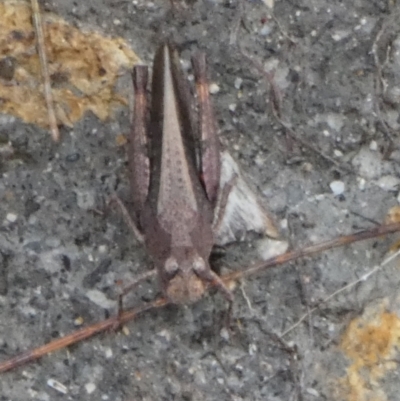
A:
{"x":314,"y":249}
{"x":55,"y":134}
{"x":131,"y":314}
{"x":79,"y":335}
{"x":364,"y":277}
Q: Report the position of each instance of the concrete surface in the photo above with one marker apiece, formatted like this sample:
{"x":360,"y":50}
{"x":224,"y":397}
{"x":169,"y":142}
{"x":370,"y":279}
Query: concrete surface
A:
{"x":61,"y":251}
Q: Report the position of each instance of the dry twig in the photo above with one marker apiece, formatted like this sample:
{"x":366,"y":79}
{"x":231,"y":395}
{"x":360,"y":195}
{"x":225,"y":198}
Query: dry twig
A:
{"x":55,"y":134}
{"x":133,"y":313}
{"x":364,"y":277}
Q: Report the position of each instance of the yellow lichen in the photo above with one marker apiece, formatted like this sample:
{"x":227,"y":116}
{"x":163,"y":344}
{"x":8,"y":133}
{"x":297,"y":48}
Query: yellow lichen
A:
{"x":83,"y":66}
{"x":370,"y":342}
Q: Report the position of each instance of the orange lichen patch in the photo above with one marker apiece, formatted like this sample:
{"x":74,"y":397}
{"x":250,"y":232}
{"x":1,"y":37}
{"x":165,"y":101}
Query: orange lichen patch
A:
{"x":370,"y":342}
{"x":84,"y":67}
{"x":393,"y":215}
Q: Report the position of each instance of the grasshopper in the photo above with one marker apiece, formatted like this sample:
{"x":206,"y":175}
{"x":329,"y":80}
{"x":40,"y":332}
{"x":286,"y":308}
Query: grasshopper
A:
{"x":175,"y":176}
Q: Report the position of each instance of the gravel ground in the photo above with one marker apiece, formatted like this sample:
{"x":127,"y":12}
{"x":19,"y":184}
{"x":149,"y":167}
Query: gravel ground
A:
{"x":336,"y":67}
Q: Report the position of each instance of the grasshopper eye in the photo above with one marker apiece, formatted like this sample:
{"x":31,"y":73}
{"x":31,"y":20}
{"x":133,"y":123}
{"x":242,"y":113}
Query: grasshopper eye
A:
{"x":171,"y":266}
{"x":199,"y":265}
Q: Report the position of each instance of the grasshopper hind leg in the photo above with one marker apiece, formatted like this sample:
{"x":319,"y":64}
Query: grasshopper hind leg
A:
{"x":139,"y":164}
{"x":210,"y":147}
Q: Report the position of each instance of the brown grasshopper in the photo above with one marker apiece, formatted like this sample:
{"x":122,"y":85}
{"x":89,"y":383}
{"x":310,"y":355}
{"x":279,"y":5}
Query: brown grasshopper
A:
{"x":175,"y":173}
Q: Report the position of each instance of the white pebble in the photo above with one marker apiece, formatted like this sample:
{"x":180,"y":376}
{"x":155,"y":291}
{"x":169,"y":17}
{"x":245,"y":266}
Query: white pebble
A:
{"x":269,"y":3}
{"x":337,"y":187}
{"x":11,"y":217}
{"x":253,"y":349}
{"x":373,"y":146}
{"x":213,"y":88}
{"x":313,"y":392}
{"x":238,"y":83}
{"x":103,"y":249}
{"x":361,"y":183}
{"x":108,"y":353}
{"x":165,"y":334}
{"x":232,"y":107}
{"x":90,"y":387}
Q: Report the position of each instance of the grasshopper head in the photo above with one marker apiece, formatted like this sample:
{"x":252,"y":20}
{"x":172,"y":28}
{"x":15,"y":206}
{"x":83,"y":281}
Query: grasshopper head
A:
{"x":184,"y":280}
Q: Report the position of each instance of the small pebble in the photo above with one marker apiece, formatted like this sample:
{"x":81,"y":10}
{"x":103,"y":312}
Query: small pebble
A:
{"x":238,"y":83}
{"x":232,"y":107}
{"x":165,"y":335}
{"x":103,"y":249}
{"x":306,"y":167}
{"x":11,"y":217}
{"x":373,"y":146}
{"x":340,"y":35}
{"x":90,"y":387}
{"x":78,"y":321}
{"x":214,"y":88}
{"x":269,"y":3}
{"x":108,"y":353}
{"x":253,"y":349}
{"x":313,"y":392}
{"x":337,"y":187}
{"x":265,"y":30}
{"x":361,"y":183}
